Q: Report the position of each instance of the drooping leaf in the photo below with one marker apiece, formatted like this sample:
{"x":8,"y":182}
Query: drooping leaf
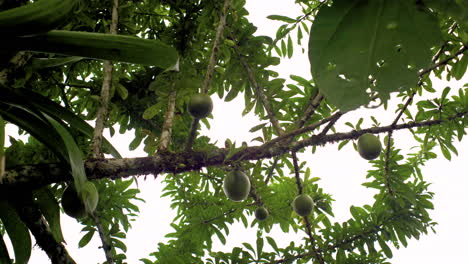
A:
{"x":74,"y":154}
{"x":17,"y":232}
{"x":59,"y":112}
{"x":356,"y":45}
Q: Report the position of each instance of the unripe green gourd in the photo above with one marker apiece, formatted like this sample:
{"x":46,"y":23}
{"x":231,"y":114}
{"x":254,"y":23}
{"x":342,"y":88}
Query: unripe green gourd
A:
{"x":236,"y":185}
{"x":303,"y":205}
{"x":200,"y":106}
{"x":369,"y":146}
{"x":261,"y":213}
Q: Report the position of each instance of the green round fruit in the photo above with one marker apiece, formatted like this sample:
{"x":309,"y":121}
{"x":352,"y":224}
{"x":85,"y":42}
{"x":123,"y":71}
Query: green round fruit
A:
{"x":261,"y":213}
{"x":72,"y":204}
{"x":303,"y":205}
{"x":236,"y":185}
{"x":200,"y":106}
{"x":369,"y":146}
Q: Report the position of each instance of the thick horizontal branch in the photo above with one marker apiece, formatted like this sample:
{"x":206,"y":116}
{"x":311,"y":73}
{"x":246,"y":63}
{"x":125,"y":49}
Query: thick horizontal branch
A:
{"x":169,"y":162}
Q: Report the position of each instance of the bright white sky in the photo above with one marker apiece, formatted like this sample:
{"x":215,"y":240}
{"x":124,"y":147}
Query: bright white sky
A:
{"x":342,"y":173}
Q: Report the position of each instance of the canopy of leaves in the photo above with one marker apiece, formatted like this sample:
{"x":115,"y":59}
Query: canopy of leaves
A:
{"x":359,"y":51}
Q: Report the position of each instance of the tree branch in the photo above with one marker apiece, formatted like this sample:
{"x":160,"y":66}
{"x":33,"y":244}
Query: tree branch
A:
{"x":259,"y":91}
{"x":30,"y":214}
{"x":214,"y":52}
{"x":102,"y":114}
{"x":168,"y":120}
{"x":102,"y":111}
{"x":44,"y":174}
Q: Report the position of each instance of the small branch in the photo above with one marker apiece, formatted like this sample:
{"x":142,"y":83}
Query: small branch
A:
{"x":30,"y":214}
{"x":272,"y":169}
{"x":192,"y":134}
{"x":209,"y":71}
{"x":302,"y":130}
{"x":317,"y":255}
{"x":214,"y":52}
{"x":168,"y":121}
{"x":106,"y":243}
{"x":259,"y":92}
{"x":102,"y":114}
{"x":314,"y":102}
{"x":443,"y":62}
{"x":387,"y":164}
{"x":296,"y":172}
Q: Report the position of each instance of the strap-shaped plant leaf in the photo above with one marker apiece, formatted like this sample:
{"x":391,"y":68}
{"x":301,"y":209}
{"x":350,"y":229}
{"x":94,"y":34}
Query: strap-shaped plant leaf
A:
{"x":75,"y":156}
{"x":35,"y":124}
{"x":99,"y":46}
{"x":17,"y":232}
{"x":60,"y":113}
{"x":391,"y":42}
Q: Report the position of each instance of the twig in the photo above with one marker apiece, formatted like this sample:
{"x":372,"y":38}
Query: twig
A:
{"x":317,"y":254}
{"x":296,"y":172}
{"x":168,"y":121}
{"x":272,"y":169}
{"x":214,"y":52}
{"x":192,"y":134}
{"x":102,"y":111}
{"x":310,"y":110}
{"x":30,"y":214}
{"x":98,"y":130}
{"x":106,"y":243}
{"x":443,"y":62}
{"x":209,"y":71}
{"x":259,"y":92}
{"x":303,"y":130}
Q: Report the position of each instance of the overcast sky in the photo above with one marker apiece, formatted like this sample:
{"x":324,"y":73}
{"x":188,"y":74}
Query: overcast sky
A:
{"x":341,"y":173}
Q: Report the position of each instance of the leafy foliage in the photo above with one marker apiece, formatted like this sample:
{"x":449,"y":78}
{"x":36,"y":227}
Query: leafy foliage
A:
{"x":359,"y":51}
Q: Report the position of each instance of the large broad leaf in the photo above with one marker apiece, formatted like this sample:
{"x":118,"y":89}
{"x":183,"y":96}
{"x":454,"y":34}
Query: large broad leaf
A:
{"x":358,"y":48}
{"x":17,"y":232}
{"x":49,"y":207}
{"x":59,"y":113}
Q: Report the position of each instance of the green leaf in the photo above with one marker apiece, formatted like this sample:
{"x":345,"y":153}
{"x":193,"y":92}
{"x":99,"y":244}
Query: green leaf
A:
{"x":151,"y":111}
{"x":58,"y":112}
{"x":282,"y":18}
{"x":459,"y":69}
{"x":272,"y":243}
{"x":17,"y":232}
{"x":359,"y":44}
{"x":49,"y":207}
{"x":121,"y":90}
{"x":385,"y":248}
{"x":86,"y":238}
{"x":74,"y":154}
{"x":35,"y":124}
{"x":290,"y":47}
{"x":100,"y":46}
